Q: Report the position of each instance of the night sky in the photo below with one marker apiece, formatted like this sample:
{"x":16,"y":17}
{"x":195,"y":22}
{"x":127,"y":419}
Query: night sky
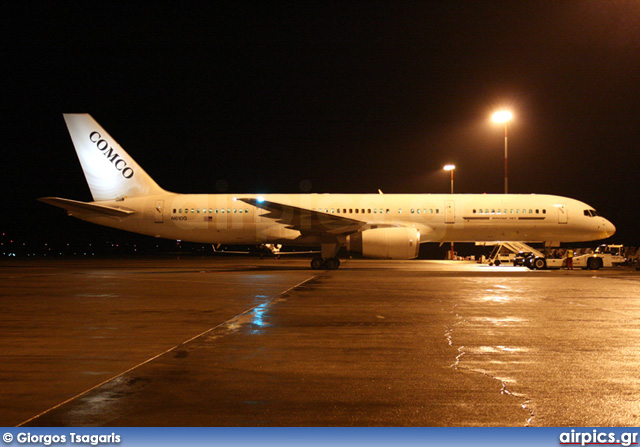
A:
{"x":336,"y":96}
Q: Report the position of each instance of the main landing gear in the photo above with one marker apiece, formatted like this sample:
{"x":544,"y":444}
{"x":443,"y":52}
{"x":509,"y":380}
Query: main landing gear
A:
{"x":327,"y":264}
{"x":328,"y":260}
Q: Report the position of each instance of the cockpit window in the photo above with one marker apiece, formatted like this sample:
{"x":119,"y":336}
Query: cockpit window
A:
{"x":590,"y":213}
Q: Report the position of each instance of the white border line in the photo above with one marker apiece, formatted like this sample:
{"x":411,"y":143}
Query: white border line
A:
{"x":162,"y":353}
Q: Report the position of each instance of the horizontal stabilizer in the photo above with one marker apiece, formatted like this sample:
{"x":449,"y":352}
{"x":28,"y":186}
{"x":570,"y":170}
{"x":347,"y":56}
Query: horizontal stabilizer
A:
{"x":75,"y":208}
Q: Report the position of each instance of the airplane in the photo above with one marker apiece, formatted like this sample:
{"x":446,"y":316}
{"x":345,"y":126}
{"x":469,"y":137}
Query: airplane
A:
{"x":384,"y":226}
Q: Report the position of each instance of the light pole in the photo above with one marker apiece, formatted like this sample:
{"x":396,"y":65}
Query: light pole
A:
{"x":504,"y":116}
{"x":450,"y":168}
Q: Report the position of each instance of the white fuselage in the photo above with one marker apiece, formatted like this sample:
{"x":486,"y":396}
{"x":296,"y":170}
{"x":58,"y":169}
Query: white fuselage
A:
{"x":224,"y":218}
{"x":385,"y":226}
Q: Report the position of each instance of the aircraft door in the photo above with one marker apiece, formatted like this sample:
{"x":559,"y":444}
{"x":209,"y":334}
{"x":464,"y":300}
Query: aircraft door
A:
{"x":449,"y":211}
{"x":562,"y":214}
{"x":158,"y":211}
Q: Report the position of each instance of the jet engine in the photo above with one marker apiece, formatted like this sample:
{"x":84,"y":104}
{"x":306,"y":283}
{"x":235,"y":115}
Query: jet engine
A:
{"x":385,"y":243}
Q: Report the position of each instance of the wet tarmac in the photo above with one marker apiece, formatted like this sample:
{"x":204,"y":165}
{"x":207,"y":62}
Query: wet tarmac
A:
{"x":249,"y":342}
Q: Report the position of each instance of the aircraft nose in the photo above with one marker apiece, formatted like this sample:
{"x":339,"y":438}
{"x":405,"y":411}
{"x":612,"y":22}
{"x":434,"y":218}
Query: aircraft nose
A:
{"x":609,"y":228}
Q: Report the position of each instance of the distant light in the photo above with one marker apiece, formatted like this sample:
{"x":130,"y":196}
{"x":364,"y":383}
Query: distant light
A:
{"x":449,"y":167}
{"x":235,"y":199}
{"x":260,"y":199}
{"x":502,"y":116}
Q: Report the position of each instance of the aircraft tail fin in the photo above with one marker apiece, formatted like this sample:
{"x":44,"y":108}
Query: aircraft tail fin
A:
{"x":110,"y":172}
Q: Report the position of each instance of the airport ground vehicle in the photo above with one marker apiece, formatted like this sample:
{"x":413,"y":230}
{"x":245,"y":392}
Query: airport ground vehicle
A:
{"x":617,"y":253}
{"x":633,"y":255}
{"x":603,"y":256}
{"x":510,"y":251}
{"x":523,"y":258}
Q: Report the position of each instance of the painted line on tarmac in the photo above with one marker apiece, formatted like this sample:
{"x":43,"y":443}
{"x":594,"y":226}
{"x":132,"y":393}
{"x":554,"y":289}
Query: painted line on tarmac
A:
{"x":166,"y":352}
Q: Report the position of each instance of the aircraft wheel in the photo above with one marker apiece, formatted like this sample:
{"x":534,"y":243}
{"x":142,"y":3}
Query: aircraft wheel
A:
{"x":332,"y":263}
{"x":497,"y":263}
{"x":316,"y":263}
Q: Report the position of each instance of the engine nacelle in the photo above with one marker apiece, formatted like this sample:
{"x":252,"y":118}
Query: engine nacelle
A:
{"x":386,"y":243}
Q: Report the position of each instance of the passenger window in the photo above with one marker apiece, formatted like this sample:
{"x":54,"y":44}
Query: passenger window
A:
{"x":413,"y":211}
{"x":388,"y":210}
{"x":357,"y":210}
{"x":537,"y":211}
{"x":400,"y":211}
{"x":544,"y":211}
{"x":369,"y":211}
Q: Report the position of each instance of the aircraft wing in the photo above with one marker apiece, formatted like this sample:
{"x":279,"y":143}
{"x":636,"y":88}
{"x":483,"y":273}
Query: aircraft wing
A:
{"x":75,"y":208}
{"x":305,"y":220}
{"x":263,"y":252}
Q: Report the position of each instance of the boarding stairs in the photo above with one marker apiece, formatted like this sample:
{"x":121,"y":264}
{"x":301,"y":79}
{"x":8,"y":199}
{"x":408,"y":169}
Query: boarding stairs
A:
{"x":505,"y":251}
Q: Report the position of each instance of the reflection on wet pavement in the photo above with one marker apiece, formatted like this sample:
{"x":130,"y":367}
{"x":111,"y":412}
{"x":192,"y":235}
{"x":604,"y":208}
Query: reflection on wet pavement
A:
{"x":374,"y":343}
